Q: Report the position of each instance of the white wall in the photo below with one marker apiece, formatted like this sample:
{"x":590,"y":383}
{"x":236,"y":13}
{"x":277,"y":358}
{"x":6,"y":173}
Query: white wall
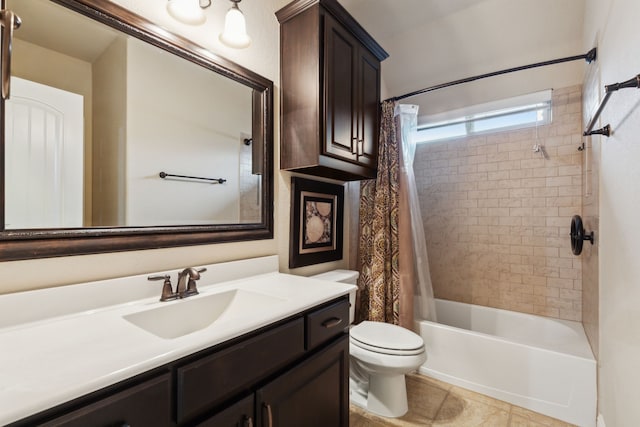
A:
{"x":434,"y":42}
{"x":166,"y":124}
{"x":614,"y":24}
{"x":262,"y":57}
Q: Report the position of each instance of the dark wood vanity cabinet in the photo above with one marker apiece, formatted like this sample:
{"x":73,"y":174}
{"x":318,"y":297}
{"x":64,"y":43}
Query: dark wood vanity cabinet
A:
{"x":314,"y":392}
{"x":293,"y":373}
{"x":330,"y":75}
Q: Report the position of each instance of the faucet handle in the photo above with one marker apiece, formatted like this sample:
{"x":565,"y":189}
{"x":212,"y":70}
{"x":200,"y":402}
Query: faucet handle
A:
{"x":167,"y":289}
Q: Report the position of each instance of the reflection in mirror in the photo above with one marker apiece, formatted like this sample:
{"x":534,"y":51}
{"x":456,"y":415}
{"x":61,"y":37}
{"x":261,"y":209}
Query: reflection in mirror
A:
{"x":96,"y":115}
{"x":103,"y":102}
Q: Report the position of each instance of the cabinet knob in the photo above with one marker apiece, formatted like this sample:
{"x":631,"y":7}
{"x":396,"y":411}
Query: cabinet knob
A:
{"x":247,"y":422}
{"x":354,"y":145}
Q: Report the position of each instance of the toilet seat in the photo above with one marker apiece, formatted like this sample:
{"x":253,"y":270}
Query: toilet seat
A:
{"x":386,"y":338}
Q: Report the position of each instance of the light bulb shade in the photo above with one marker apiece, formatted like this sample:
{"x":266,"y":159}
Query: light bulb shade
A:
{"x":235,"y":29}
{"x":186,"y":11}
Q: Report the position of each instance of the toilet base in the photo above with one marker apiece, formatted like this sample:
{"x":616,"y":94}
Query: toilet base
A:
{"x":387,"y":395}
{"x":356,"y":396}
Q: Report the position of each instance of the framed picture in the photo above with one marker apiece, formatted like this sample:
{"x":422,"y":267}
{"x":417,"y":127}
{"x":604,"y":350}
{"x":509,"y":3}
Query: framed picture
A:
{"x":317,"y":212}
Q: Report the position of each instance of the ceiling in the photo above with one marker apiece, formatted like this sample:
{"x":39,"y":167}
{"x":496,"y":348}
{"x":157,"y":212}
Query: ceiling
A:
{"x":436,"y":41}
{"x":54,"y":27}
{"x":429,"y":41}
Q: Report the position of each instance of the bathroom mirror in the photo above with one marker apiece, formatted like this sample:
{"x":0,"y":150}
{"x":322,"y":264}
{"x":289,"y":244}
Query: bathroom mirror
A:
{"x":120,"y":135}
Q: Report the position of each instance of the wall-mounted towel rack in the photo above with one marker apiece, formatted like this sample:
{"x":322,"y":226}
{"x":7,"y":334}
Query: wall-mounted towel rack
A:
{"x":609,"y":89}
{"x":164,"y":175}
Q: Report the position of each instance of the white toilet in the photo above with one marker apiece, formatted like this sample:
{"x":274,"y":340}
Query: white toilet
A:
{"x":381,"y":355}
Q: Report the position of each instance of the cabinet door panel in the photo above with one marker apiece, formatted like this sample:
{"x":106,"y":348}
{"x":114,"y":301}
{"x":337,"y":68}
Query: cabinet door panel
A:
{"x":239,"y":414}
{"x":147,"y":404}
{"x":369,"y":111}
{"x":340,"y":90}
{"x":312,"y":394}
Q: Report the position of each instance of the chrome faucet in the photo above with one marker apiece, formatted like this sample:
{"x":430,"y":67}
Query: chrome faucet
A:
{"x":184,"y":289}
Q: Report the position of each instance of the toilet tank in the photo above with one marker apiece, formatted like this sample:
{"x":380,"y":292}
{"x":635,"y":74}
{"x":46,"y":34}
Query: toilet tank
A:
{"x":343,"y":276}
{"x":340,"y":276}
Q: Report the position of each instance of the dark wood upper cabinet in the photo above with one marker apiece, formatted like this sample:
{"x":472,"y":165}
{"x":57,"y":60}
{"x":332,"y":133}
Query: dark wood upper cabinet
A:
{"x":330,"y":72}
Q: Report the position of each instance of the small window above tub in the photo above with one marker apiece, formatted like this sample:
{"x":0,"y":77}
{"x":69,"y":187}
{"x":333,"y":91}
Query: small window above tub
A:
{"x":508,"y":114}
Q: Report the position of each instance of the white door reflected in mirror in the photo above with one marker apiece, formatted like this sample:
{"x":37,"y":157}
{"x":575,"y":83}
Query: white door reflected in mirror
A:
{"x":43,"y":157}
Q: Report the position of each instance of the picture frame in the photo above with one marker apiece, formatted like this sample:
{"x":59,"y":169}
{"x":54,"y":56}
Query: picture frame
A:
{"x":317,"y":218}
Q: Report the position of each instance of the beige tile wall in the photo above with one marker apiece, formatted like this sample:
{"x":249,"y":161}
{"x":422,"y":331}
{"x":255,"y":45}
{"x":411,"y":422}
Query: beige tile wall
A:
{"x":496,"y":215}
{"x":250,"y":209}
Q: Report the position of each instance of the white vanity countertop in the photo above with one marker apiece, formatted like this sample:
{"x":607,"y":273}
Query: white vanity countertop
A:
{"x":52,"y":360}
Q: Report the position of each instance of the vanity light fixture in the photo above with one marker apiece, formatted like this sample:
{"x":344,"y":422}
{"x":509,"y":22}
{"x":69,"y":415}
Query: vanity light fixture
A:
{"x":192,"y":12}
{"x":188,"y":11}
{"x":235,"y":28}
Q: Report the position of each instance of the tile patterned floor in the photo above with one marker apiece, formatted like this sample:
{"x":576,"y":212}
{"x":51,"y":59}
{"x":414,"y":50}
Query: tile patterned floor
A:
{"x":435,"y":403}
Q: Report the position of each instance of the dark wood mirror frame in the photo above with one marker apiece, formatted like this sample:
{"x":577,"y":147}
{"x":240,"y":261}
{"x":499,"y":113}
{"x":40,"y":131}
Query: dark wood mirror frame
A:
{"x":43,"y":243}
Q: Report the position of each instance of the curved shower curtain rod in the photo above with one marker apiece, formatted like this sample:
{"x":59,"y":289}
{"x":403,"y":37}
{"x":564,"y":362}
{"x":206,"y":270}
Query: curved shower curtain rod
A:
{"x":589,"y":57}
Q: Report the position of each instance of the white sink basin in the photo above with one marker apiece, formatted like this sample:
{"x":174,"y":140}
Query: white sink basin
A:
{"x":177,"y":318}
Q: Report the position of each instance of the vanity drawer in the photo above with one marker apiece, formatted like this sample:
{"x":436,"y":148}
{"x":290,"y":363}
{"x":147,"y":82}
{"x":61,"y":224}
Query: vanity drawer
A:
{"x":211,"y":380}
{"x":146,"y":404}
{"x":326,"y":323}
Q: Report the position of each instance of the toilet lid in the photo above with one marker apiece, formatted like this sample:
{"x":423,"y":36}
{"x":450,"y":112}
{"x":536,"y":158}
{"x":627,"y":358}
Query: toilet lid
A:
{"x":386,"y":338}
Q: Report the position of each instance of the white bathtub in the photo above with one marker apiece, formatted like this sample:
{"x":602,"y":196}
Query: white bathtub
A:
{"x":539,"y":363}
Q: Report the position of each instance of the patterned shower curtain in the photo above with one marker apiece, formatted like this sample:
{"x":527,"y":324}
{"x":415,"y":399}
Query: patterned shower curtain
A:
{"x":379,"y":282}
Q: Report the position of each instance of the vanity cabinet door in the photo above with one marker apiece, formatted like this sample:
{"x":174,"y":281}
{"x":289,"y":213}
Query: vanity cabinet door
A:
{"x":239,"y":414}
{"x":146,"y":404}
{"x":315,"y":393}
